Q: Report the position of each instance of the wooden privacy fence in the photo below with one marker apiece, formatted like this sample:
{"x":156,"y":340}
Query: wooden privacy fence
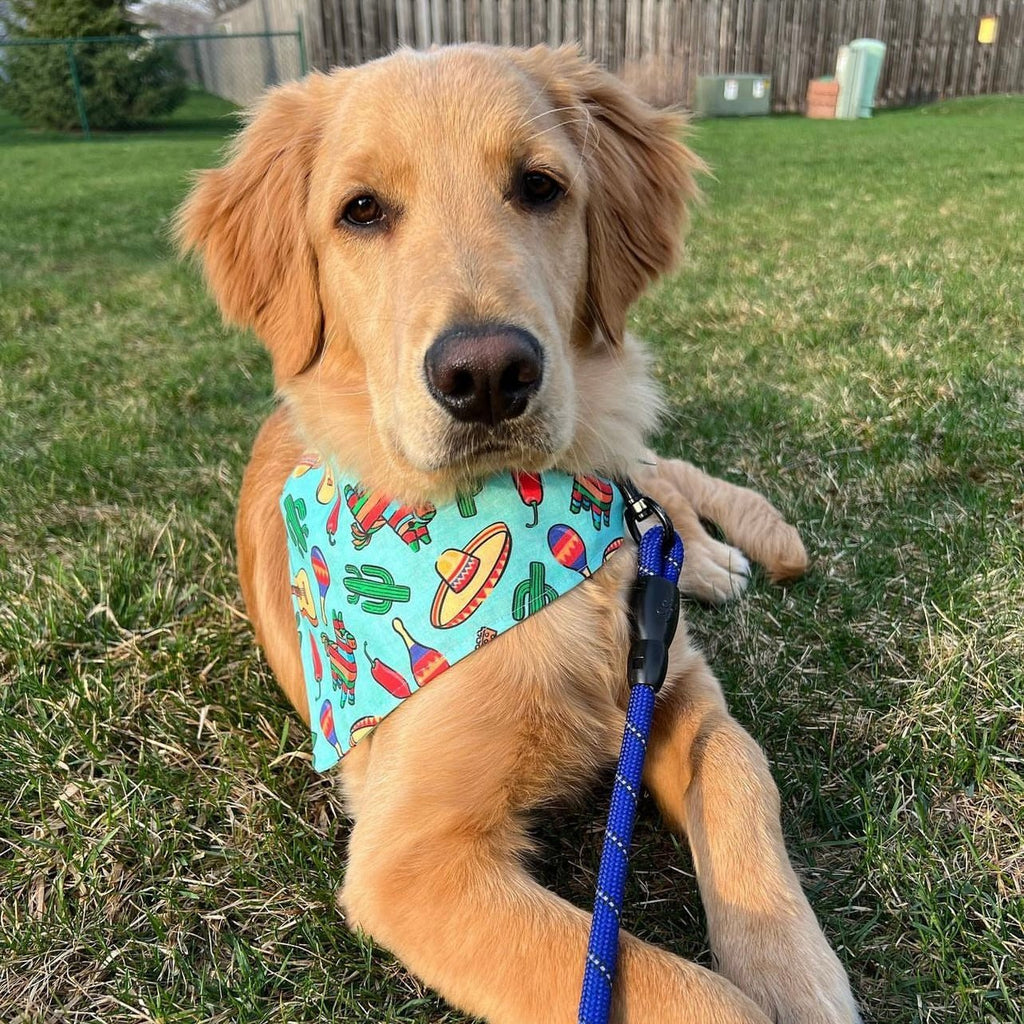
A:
{"x":662,"y":45}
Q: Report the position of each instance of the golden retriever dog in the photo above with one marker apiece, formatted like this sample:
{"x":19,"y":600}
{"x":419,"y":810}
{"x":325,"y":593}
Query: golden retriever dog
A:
{"x":439,"y":251}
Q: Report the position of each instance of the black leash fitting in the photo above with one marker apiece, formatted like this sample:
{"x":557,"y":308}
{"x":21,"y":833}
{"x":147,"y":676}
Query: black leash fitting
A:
{"x":653,"y":618}
{"x":653,"y":600}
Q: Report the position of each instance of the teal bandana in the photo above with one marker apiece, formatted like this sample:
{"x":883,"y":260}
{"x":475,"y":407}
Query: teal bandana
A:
{"x":388,"y":596}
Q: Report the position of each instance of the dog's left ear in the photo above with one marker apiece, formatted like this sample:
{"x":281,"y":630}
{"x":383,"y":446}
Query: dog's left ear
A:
{"x":640,"y":178}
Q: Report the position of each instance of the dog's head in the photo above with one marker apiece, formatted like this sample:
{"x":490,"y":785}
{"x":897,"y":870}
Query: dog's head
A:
{"x":439,"y":251}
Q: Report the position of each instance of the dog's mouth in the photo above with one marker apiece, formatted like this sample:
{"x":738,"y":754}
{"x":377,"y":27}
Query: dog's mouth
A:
{"x":486,"y":449}
{"x":482,"y":451}
{"x":475,"y":450}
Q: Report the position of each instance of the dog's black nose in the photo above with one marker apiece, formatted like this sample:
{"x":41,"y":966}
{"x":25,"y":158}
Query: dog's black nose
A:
{"x":484,"y":374}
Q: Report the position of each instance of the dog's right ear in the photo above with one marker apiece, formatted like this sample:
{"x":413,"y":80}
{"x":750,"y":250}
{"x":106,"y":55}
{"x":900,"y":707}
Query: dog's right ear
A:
{"x":247,"y":223}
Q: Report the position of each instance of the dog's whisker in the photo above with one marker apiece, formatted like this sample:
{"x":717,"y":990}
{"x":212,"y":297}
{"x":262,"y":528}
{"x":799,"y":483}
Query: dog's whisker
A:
{"x":588,"y":122}
{"x":522,"y":119}
{"x":544,"y":113}
{"x":555,"y":128}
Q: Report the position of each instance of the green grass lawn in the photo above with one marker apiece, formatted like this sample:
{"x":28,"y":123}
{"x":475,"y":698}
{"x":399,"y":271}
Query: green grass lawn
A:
{"x":846,"y":335}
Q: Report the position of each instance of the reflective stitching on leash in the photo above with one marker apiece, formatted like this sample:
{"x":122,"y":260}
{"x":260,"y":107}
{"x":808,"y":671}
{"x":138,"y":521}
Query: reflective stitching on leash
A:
{"x":624,"y":783}
{"x":591,"y":958}
{"x":608,"y":834}
{"x":634,"y":731}
{"x":609,"y":902}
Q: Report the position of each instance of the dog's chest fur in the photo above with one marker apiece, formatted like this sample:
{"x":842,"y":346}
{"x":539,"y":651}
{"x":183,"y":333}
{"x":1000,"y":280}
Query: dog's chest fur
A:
{"x":554,"y":686}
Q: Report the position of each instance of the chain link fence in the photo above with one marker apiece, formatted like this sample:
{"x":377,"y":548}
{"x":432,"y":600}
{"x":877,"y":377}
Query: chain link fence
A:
{"x":116,"y":82}
{"x":239,"y":67}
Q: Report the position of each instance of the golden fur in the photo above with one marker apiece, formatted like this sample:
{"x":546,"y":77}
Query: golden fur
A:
{"x":434,"y":869}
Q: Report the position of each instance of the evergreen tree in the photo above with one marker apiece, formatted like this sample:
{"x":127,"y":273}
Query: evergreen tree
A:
{"x":122,"y":83}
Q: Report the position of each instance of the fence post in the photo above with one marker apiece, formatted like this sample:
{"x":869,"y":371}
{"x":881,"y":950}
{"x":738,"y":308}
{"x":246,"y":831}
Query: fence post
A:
{"x":197,"y":61}
{"x":77,"y":85}
{"x":303,"y":63}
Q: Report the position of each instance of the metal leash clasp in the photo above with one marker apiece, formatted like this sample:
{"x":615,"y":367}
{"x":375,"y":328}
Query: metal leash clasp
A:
{"x":639,"y":507}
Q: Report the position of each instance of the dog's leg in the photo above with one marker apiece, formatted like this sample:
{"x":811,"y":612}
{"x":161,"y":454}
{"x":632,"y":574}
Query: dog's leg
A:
{"x":747,"y":519}
{"x":466,"y":919}
{"x":712,"y":783}
{"x":434,"y":875}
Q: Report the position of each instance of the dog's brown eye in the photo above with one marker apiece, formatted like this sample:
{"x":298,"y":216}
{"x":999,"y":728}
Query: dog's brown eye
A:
{"x":539,"y":189}
{"x":363,"y":211}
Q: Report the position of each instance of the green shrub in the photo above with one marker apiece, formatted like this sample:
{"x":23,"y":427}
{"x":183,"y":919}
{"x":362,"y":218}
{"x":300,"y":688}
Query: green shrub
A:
{"x":124,"y":83}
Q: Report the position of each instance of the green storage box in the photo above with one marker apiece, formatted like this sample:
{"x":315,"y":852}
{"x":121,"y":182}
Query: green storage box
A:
{"x":858,"y":70}
{"x":733,"y":96}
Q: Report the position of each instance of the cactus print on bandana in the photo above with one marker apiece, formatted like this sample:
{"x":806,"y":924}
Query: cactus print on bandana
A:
{"x":388,"y":596}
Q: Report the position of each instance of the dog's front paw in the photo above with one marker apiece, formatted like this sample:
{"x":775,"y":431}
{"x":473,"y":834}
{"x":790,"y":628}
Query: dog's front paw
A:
{"x":713,"y":571}
{"x":823,"y":999}
{"x":795,"y":978}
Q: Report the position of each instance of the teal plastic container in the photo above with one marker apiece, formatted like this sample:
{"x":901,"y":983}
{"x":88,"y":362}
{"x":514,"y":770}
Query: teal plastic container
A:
{"x":733,"y":96}
{"x":858,"y":69}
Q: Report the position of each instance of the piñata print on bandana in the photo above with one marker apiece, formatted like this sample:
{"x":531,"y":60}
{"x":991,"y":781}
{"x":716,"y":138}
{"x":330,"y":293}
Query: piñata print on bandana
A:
{"x":389,"y":596}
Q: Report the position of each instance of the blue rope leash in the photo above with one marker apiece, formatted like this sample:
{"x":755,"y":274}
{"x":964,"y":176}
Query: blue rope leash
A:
{"x":654,"y":611}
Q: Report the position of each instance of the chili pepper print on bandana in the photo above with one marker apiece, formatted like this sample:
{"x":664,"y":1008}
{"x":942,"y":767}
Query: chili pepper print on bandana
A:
{"x":388,"y":596}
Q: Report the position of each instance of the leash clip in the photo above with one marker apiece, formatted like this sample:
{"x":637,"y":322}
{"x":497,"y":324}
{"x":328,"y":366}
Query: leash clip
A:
{"x":640,"y":507}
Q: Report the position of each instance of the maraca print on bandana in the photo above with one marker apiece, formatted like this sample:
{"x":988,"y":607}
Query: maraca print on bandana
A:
{"x":531,"y":492}
{"x":372,"y":510}
{"x":392,"y":681}
{"x":304,"y":596}
{"x":568,"y":548}
{"x":469,"y":574}
{"x":425,"y":662}
{"x":593,"y":493}
{"x":327,"y":727}
{"x":323,"y":578}
{"x":341,"y":658}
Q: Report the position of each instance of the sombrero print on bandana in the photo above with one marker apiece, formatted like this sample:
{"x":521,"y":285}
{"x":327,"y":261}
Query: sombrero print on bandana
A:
{"x":388,"y":596}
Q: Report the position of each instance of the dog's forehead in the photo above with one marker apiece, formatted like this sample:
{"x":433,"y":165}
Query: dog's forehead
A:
{"x":471,"y":99}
